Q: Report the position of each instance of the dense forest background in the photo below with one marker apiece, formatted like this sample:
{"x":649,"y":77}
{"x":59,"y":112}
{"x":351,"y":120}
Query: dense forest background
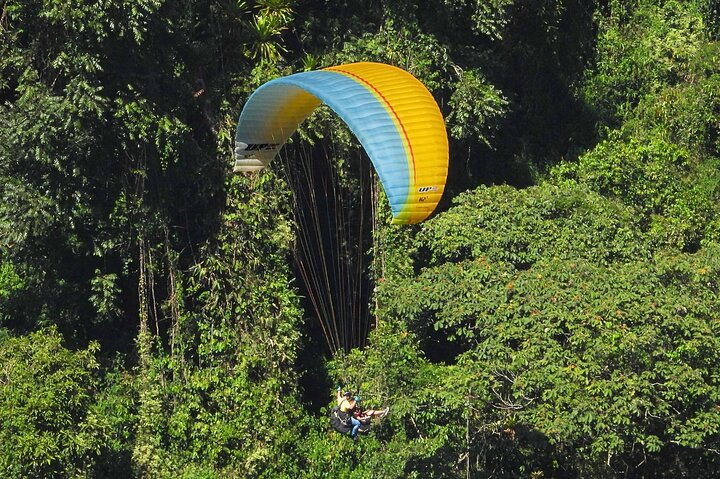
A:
{"x":558,"y":317}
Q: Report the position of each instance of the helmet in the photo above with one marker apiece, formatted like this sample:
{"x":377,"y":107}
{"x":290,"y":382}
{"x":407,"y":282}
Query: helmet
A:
{"x":347,"y":394}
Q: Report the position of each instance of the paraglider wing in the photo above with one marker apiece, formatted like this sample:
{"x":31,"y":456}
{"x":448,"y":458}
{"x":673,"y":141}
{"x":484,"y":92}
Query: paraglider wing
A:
{"x":391,"y":113}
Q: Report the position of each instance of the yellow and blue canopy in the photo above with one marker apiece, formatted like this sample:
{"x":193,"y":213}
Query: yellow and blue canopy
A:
{"x":391,"y":113}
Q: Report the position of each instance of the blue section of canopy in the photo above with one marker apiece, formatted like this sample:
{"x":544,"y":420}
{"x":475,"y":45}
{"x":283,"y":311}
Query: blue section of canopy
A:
{"x":275,"y":110}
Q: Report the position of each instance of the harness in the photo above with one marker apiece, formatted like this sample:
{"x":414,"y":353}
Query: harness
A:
{"x":340,"y":421}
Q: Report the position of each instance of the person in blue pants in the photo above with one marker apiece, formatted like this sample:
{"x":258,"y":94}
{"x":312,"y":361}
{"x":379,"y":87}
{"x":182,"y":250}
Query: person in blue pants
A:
{"x":349,"y":405}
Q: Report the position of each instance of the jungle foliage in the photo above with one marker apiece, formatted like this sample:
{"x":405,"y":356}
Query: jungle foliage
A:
{"x":558,"y":316}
